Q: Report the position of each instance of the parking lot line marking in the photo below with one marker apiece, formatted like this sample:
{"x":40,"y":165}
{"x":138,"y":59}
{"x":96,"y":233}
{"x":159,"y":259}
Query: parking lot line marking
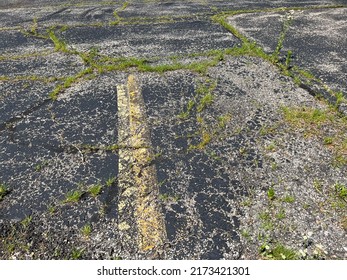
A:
{"x":125,"y":184}
{"x":137,"y":173}
{"x":151,"y":224}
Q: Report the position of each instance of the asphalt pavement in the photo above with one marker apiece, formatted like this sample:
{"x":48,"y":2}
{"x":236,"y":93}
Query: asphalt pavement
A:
{"x":173,"y":129}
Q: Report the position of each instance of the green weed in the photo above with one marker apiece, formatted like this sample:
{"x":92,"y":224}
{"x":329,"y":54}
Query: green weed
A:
{"x":274,"y":165}
{"x":86,"y":230}
{"x":73,"y":196}
{"x":340,"y":98}
{"x":312,"y":120}
{"x":245,"y":234}
{"x":271,"y":147}
{"x":341,"y":190}
{"x":268,"y":130}
{"x":3,"y":191}
{"x":206,"y":138}
{"x":168,"y":197}
{"x":279,"y":252}
{"x":271,"y":194}
{"x":288,"y":59}
{"x":95,"y":190}
{"x":118,"y":18}
{"x":205,"y":101}
{"x":68,"y":82}
{"x":318,"y":185}
{"x":328,"y":140}
{"x":110,"y":181}
{"x":51,"y":208}
{"x":41,"y":165}
{"x":76,"y":254}
{"x":33,"y":28}
{"x":305,"y":116}
{"x":26,"y":221}
{"x":281,"y":214}
{"x":285,"y":27}
{"x":223,"y":120}
{"x":288,"y":199}
{"x":59,"y":45}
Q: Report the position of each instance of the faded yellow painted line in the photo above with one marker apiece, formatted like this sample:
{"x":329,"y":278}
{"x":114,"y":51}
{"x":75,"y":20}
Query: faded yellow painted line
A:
{"x":125,"y":185}
{"x":140,"y":182}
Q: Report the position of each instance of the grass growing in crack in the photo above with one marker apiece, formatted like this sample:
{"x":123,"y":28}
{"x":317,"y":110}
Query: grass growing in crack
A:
{"x":274,"y":165}
{"x":25,"y":55}
{"x":110,"y":181}
{"x":318,"y":185}
{"x":73,"y":196}
{"x":3,"y":191}
{"x":281,"y":214}
{"x":117,"y":17}
{"x":34,"y":26}
{"x":278,"y":252}
{"x":90,"y":57}
{"x":328,"y":140}
{"x":268,"y":130}
{"x":95,"y":190}
{"x":267,"y":221}
{"x":68,"y":82}
{"x":51,"y":209}
{"x":205,"y":101}
{"x":206,"y":89}
{"x":26,"y":221}
{"x":245,"y":234}
{"x":327,"y":125}
{"x":41,"y":165}
{"x":206,"y":138}
{"x":249,"y":48}
{"x":76,"y":254}
{"x":223,"y":120}
{"x":304,"y":116}
{"x":33,"y":31}
{"x":86,"y":230}
{"x":287,"y":63}
{"x":271,"y":147}
{"x":279,"y":46}
{"x":288,"y":199}
{"x":201,"y":100}
{"x":341,"y":191}
{"x":30,"y":78}
{"x":59,"y":45}
{"x":271,"y":194}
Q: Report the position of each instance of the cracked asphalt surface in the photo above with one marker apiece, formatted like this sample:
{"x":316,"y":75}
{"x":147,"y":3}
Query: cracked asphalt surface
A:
{"x":151,"y":130}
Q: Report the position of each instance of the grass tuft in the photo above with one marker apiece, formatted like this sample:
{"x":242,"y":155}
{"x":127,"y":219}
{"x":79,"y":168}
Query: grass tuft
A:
{"x":3,"y":191}
{"x":73,"y":196}
{"x":95,"y":190}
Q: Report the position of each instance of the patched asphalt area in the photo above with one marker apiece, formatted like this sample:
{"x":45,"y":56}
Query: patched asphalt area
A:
{"x":138,"y":40}
{"x":247,"y":163}
{"x":316,"y":39}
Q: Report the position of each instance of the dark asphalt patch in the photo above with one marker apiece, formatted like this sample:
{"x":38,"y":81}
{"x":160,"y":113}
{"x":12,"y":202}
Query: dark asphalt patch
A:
{"x":52,"y":65}
{"x":154,"y":40}
{"x":19,"y":99}
{"x":15,"y":42}
{"x":315,"y":37}
{"x":61,"y":145}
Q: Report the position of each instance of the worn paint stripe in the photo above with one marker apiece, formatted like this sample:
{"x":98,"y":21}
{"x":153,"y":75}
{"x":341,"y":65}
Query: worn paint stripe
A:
{"x":151,"y":224}
{"x":125,"y":184}
{"x":140,"y":183}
